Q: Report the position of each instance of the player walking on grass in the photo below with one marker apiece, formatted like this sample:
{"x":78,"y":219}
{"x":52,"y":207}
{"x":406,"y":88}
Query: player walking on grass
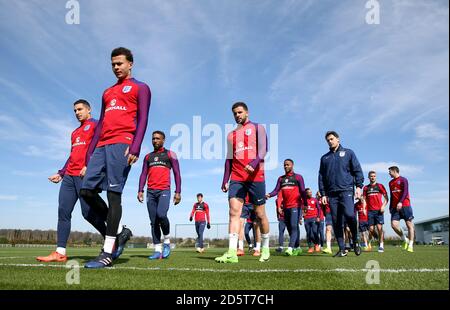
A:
{"x":339,"y":173}
{"x":326,"y":213}
{"x":244,"y":170}
{"x":71,"y":176}
{"x":292,"y":187}
{"x":156,"y":171}
{"x":363,"y":222}
{"x":115,"y":147}
{"x":200,"y":212}
{"x":373,"y":194}
{"x":281,"y":224}
{"x":400,"y":207}
{"x":311,"y":215}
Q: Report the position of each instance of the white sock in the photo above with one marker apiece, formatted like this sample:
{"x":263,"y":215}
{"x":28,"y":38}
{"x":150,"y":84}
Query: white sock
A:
{"x":265,"y":240}
{"x":109,"y":244}
{"x":381,"y":244}
{"x":289,"y":248}
{"x":61,"y":251}
{"x":166,"y":239}
{"x":241,"y":244}
{"x":119,"y":230}
{"x":258,"y":246}
{"x":329,"y":244}
{"x":405,"y":238}
{"x":232,"y":241}
{"x":411,"y":243}
{"x":158,"y":247}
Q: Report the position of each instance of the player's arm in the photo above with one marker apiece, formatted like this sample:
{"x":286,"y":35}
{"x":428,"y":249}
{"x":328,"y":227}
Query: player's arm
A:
{"x":228,"y":163}
{"x":143,"y":107}
{"x":357,"y":173}
{"x":276,"y":190}
{"x":208,"y":225}
{"x":177,"y":175}
{"x":97,"y":132}
{"x":143,"y":179}
{"x":301,"y":189}
{"x":385,"y":197}
{"x":192,"y":213}
{"x":323,"y":194}
{"x":57,"y":177}
{"x":405,"y":192}
{"x":262,"y":146}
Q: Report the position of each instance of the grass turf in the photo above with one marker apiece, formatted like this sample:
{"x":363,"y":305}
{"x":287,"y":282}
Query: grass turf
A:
{"x":426,"y":268}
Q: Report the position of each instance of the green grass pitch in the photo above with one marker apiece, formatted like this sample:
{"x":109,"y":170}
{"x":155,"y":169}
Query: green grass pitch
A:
{"x":426,"y":268}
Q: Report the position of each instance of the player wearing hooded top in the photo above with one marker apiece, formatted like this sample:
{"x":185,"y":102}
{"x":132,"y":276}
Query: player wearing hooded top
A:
{"x":115,"y":147}
{"x":200,"y":213}
{"x":292,"y":187}
{"x":156,"y":171}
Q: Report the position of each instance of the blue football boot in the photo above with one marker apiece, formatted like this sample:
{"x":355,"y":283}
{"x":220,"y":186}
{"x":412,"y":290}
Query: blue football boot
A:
{"x":101,"y":261}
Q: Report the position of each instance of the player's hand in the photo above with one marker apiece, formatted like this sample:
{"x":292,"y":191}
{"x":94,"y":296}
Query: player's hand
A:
{"x":176,"y":198}
{"x":140,"y":197}
{"x":358,"y":193}
{"x":399,"y":206}
{"x":208,"y":225}
{"x":131,"y":158}
{"x":267,"y":196}
{"x":56,"y":178}
{"x":83,"y":171}
{"x":318,"y":219}
{"x":190,"y":219}
{"x":324,"y":200}
{"x":225,"y":187}
{"x":249,"y":169}
{"x":382,"y":209}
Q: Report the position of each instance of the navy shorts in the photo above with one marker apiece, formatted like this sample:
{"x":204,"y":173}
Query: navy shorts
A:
{"x":246,"y":211}
{"x":375,"y":218}
{"x":256,"y":190}
{"x":328,"y":219}
{"x":363,"y":226}
{"x":108,"y":168}
{"x":405,"y":213}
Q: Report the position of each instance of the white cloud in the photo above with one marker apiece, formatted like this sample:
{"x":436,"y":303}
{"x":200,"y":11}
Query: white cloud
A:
{"x":430,"y":131}
{"x":382,"y":167}
{"x":8,"y":197}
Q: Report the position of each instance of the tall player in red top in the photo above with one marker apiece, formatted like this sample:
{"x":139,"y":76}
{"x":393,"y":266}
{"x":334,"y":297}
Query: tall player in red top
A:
{"x":373,"y":194}
{"x":71,"y":175}
{"x":244,"y":165}
{"x":400,"y":207}
{"x":115,"y":147}
{"x":200,"y":213}
{"x":156,"y":171}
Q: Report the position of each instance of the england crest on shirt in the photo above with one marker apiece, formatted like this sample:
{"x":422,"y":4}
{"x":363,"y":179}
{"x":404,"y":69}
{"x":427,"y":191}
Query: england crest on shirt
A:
{"x":86,"y":128}
{"x":342,"y":153}
{"x":156,"y":158}
{"x":126,"y":89}
{"x":248,"y":132}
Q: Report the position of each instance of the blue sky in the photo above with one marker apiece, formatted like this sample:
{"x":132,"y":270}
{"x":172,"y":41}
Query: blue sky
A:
{"x":305,"y":66}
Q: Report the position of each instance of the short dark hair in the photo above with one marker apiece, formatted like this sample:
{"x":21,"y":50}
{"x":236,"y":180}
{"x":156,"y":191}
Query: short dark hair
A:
{"x":122,"y":51}
{"x":288,"y":159}
{"x":200,"y":195}
{"x":394,"y":168}
{"x":239,"y":104}
{"x":159,"y":132}
{"x":83,"y":102}
{"x":331,"y":132}
{"x":371,"y":171}
{"x":307,"y":189}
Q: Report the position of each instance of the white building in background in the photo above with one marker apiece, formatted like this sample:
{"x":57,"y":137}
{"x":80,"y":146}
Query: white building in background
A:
{"x":432,"y":231}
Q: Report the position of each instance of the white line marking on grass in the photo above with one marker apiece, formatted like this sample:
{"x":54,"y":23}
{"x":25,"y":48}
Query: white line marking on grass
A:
{"x":12,"y":257}
{"x":421,"y":270}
